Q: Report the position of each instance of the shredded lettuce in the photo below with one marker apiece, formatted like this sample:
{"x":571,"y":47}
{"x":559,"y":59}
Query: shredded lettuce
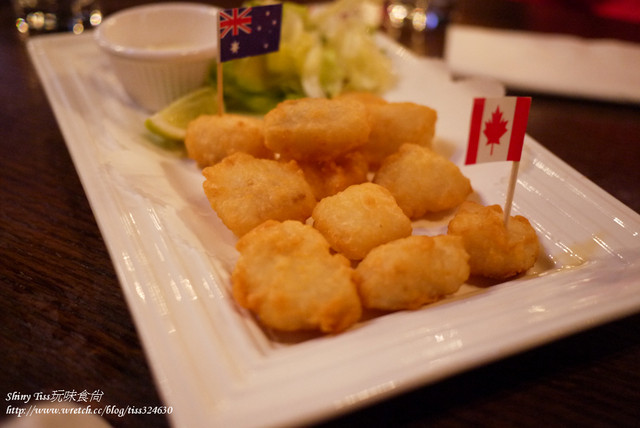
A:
{"x":324,"y":51}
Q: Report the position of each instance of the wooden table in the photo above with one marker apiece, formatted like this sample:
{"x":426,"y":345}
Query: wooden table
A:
{"x":64,"y":325}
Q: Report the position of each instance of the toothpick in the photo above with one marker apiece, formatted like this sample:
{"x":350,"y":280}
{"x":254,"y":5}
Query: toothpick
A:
{"x":512,"y":186}
{"x":220,"y":90}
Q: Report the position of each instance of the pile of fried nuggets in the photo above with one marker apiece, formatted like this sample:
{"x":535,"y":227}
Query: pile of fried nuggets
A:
{"x":322,"y":193}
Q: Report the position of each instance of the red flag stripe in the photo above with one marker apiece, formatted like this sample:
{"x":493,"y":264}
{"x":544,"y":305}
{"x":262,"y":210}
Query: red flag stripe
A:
{"x":474,"y":133}
{"x":519,"y":128}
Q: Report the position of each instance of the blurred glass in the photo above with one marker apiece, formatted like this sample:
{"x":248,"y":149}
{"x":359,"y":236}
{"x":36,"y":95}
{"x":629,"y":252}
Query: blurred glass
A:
{"x":415,"y":22}
{"x":46,"y":16}
{"x":420,"y":15}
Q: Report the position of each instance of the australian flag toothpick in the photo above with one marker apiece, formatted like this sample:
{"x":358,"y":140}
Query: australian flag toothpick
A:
{"x":249,"y":31}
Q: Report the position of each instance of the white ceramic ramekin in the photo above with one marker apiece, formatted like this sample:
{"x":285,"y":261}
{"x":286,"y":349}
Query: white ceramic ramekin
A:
{"x":162,"y":51}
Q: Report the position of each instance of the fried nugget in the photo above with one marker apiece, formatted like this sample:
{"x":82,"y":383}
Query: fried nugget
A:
{"x":316,"y":128}
{"x":211,"y":138}
{"x":288,"y":277}
{"x":360,"y":218}
{"x":422,"y":181}
{"x":495,"y":250}
{"x":363,"y":97}
{"x":245,"y":191}
{"x":330,"y":177}
{"x":410,"y":272}
{"x":395,"y":123}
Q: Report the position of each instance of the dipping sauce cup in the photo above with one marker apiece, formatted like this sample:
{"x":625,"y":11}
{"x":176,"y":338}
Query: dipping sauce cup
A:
{"x":160,"y":52}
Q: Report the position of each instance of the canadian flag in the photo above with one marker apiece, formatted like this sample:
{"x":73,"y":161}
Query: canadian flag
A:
{"x":498,"y":126}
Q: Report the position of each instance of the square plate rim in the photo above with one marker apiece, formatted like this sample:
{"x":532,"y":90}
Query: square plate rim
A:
{"x":189,"y":411}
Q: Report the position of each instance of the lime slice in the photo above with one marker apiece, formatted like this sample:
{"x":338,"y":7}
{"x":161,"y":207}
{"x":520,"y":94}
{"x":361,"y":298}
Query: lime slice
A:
{"x":171,"y":122}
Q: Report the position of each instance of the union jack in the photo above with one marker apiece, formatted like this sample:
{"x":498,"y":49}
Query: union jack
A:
{"x":235,"y":23}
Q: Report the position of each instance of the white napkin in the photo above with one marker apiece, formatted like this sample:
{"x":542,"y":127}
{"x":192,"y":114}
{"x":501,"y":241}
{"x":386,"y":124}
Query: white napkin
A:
{"x":603,"y":69}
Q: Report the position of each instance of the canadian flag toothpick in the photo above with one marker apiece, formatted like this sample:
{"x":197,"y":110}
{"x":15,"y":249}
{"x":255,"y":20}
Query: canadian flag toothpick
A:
{"x":497,"y":130}
{"x":498,"y":127}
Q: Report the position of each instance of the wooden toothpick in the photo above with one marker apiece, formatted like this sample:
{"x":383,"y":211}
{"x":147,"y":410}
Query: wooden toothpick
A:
{"x":511,"y":189}
{"x":220,"y":90}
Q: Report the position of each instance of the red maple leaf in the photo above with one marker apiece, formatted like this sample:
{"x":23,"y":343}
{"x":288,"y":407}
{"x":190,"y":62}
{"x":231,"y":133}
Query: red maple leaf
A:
{"x":495,"y":128}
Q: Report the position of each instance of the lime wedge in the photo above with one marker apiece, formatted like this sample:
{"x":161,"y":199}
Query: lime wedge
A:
{"x":171,"y":122}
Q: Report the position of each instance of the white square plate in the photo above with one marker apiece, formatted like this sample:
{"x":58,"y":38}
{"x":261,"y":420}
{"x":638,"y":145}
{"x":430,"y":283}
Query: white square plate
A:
{"x":173,"y":257}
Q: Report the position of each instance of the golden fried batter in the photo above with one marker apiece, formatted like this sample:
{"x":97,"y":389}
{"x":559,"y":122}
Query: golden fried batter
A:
{"x":316,"y":128}
{"x":410,"y":272}
{"x":288,"y":277}
{"x":245,"y":191}
{"x":396,"y":123}
{"x":360,"y":218}
{"x":495,"y":252}
{"x":422,"y":181}
{"x":210,"y":138}
{"x":363,"y":97}
{"x":330,"y":177}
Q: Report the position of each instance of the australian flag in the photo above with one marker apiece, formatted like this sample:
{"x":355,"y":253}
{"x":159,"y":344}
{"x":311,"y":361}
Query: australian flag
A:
{"x":249,"y":31}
